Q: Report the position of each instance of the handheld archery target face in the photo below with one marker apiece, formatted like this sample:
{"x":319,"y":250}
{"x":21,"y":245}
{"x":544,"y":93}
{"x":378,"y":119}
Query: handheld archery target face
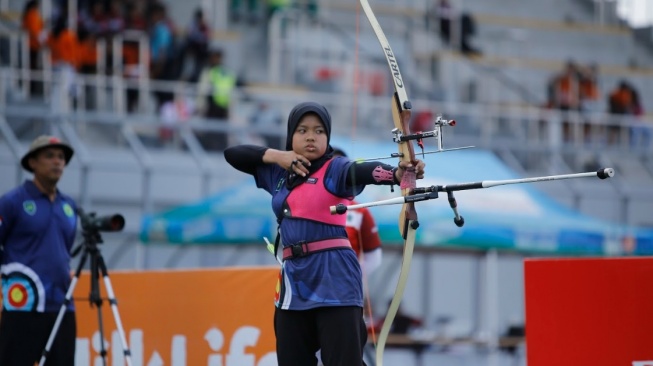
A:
{"x":21,"y":289}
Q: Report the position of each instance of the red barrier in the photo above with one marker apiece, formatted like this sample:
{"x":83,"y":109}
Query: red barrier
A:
{"x":589,"y":311}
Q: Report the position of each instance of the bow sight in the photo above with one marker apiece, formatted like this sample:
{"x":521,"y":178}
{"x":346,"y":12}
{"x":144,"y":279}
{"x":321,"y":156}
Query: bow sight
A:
{"x":399,"y":137}
{"x":436,"y":133}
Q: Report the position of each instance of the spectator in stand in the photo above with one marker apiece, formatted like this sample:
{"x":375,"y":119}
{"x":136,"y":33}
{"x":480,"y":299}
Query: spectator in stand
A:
{"x":564,"y":95}
{"x":174,"y":113}
{"x":94,"y":20}
{"x":564,"y":88}
{"x":63,"y":45}
{"x":87,"y":52}
{"x":115,"y":21}
{"x":447,"y":17}
{"x":589,"y":87}
{"x":58,"y":8}
{"x":624,"y":101}
{"x":87,"y":63}
{"x":196,"y":46}
{"x":37,"y":34}
{"x":161,"y":53}
{"x":443,"y":13}
{"x":135,"y":16}
{"x":640,"y":134}
{"x":64,"y":48}
{"x":135,"y":21}
{"x":620,"y":102}
{"x":588,"y":97}
{"x":214,"y":91}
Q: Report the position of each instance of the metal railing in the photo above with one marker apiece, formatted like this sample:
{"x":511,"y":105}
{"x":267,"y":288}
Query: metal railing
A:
{"x":539,"y":128}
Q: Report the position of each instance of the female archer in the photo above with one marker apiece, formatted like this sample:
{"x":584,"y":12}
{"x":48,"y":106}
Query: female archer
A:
{"x":319,"y":303}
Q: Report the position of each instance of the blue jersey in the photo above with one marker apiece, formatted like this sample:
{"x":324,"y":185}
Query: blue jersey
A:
{"x":37,"y":236}
{"x":327,"y":278}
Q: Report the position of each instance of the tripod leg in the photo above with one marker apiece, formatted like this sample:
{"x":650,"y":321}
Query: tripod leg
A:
{"x":62,"y":310}
{"x":96,"y":299}
{"x":114,"y":308}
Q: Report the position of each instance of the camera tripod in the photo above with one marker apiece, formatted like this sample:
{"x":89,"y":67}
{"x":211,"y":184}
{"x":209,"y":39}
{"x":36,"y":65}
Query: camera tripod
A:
{"x":98,"y":267}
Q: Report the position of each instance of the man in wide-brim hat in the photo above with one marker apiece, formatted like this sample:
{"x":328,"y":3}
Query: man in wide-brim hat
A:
{"x":38,"y":224}
{"x":46,"y":158}
{"x":45,"y":142}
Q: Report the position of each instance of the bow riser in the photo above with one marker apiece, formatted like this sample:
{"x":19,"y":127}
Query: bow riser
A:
{"x":401,"y":117}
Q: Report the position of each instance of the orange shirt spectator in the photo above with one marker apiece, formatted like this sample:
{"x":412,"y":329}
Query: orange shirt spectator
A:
{"x":64,"y":48}
{"x":131,"y":57}
{"x":33,"y":25}
{"x":567,"y":92}
{"x":87,"y":54}
{"x":130,"y":53}
{"x":621,"y":100}
{"x":589,"y":90}
{"x":564,"y":92}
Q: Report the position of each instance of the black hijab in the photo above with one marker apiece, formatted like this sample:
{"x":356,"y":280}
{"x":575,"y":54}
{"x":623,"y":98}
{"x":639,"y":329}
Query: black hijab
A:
{"x":295,"y":116}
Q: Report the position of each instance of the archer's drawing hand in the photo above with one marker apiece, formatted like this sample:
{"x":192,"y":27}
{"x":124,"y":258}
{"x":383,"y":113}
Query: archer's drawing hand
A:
{"x":294,"y":163}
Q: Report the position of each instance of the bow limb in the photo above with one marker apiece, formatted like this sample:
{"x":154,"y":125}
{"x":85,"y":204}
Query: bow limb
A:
{"x":409,"y":244}
{"x":401,"y":112}
{"x":408,"y":227}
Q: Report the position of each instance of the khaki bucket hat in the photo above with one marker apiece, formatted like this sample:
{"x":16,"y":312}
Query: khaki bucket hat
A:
{"x":43,"y":142}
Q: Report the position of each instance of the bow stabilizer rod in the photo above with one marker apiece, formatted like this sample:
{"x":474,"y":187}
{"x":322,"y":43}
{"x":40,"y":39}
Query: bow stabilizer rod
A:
{"x":427,"y":193}
{"x":602,"y":173}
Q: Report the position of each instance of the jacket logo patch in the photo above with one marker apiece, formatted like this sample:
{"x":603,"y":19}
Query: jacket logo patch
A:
{"x":29,"y":207}
{"x":311,"y":180}
{"x":68,"y":210}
